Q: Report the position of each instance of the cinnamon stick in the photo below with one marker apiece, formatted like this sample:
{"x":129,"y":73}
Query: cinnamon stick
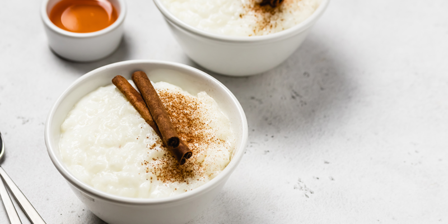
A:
{"x":136,"y":100}
{"x":181,"y":152}
{"x":157,"y":109}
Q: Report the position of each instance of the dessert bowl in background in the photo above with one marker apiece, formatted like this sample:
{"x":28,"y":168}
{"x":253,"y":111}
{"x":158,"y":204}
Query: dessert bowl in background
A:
{"x":83,"y":47}
{"x":175,"y":209}
{"x":239,"y":56}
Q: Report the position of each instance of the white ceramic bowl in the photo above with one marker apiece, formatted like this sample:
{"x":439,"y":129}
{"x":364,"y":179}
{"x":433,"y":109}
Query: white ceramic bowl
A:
{"x":122,"y":210}
{"x":239,"y":56}
{"x":84,"y":47}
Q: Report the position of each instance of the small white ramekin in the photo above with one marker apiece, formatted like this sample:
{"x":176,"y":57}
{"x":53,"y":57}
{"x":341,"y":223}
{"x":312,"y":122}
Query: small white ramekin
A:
{"x":122,"y":210}
{"x":84,"y":47}
{"x":239,"y":56}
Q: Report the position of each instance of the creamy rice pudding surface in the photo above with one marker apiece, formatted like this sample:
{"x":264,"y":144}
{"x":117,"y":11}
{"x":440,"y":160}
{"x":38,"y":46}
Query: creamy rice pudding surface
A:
{"x":241,"y":17}
{"x":107,"y":144}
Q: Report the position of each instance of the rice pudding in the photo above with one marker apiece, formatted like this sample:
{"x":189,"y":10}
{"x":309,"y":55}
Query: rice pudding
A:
{"x":107,"y":144}
{"x":241,"y":17}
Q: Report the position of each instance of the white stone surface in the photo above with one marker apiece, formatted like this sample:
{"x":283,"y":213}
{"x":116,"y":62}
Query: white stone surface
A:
{"x":351,"y":129}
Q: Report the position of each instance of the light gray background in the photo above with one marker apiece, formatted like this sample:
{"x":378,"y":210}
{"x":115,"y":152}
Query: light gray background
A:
{"x":352,"y":128}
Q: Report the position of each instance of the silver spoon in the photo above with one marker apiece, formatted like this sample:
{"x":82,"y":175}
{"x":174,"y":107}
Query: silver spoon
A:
{"x":9,"y":206}
{"x":29,"y":210}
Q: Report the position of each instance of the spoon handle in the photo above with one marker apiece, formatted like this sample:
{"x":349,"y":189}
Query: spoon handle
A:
{"x":9,"y":206}
{"x":30,"y":212}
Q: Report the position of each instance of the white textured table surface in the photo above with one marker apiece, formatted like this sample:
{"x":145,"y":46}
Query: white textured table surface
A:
{"x":352,"y":128}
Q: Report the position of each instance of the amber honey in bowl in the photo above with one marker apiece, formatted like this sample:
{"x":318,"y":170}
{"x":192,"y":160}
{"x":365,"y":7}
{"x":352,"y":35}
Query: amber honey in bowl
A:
{"x":83,"y":16}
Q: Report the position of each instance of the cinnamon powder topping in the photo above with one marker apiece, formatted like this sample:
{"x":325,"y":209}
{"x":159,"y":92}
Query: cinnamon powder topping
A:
{"x":272,"y":3}
{"x":185,"y":113}
{"x":266,"y":13}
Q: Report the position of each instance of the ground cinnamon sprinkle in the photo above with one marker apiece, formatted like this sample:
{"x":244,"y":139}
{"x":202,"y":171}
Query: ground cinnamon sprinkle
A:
{"x":265,"y":15}
{"x":186,"y":116}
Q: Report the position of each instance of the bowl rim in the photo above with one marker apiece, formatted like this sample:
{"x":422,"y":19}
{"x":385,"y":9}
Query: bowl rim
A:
{"x":148,"y":201}
{"x":47,"y":22}
{"x":295,"y":29}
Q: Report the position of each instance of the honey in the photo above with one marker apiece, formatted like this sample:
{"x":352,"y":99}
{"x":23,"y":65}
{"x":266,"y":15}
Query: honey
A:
{"x":83,"y":16}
